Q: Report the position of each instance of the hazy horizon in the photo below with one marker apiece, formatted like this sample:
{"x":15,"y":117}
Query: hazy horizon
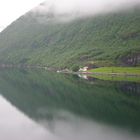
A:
{"x":71,"y":9}
{"x":61,"y":9}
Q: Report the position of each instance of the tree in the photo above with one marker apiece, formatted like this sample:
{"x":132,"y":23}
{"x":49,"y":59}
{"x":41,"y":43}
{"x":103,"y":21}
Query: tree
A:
{"x":75,"y":68}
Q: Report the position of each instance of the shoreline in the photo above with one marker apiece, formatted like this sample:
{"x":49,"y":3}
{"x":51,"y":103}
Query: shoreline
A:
{"x":89,"y":72}
{"x":109,"y":74}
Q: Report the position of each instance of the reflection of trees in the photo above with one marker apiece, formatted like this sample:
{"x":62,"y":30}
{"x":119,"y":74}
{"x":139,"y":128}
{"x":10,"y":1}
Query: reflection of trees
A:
{"x":40,"y":95}
{"x":130,"y":89}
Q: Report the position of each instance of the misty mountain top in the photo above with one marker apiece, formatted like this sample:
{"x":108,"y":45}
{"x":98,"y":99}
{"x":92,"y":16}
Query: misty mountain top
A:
{"x":103,"y":40}
{"x":78,"y":8}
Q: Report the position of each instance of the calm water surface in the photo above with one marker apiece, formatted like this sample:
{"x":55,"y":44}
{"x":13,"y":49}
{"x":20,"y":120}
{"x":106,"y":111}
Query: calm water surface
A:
{"x":38,"y":105}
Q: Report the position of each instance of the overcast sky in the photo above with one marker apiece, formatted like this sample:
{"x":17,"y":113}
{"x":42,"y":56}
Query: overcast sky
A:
{"x":12,"y":9}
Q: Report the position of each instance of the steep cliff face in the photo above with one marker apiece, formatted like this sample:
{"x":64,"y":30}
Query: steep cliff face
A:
{"x":131,"y":59}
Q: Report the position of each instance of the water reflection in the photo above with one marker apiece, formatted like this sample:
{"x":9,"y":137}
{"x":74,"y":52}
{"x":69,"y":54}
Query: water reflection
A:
{"x":63,"y":126}
{"x":14,"y":125}
{"x":59,"y":107}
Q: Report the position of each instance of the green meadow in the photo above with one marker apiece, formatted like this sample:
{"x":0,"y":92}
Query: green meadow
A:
{"x":117,"y":70}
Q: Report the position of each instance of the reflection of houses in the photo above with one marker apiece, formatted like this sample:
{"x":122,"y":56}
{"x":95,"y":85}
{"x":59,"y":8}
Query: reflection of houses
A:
{"x":83,"y":76}
{"x":87,"y":77}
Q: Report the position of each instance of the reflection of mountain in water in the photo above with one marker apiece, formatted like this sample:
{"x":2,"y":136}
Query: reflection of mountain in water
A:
{"x":41,"y":95}
{"x":132,"y":89}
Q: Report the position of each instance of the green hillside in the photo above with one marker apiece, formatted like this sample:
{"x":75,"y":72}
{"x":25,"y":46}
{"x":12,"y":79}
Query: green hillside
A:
{"x":104,"y":40}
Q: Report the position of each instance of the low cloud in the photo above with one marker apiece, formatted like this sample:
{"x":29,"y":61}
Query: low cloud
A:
{"x":71,"y":9}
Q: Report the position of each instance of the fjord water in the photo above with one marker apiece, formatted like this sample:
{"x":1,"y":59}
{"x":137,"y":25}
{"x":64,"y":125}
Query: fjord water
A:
{"x":39,"y":105}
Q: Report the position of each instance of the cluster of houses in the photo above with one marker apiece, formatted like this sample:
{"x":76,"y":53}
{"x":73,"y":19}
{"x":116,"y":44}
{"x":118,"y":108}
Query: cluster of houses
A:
{"x":84,"y":69}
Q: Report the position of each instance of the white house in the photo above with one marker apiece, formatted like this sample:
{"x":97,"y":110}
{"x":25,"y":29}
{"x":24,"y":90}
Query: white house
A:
{"x":83,"y":69}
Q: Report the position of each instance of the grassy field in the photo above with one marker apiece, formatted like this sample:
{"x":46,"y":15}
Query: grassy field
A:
{"x":117,"y":70}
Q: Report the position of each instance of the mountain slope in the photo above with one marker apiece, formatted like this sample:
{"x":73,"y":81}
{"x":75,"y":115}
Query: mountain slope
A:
{"x":111,"y":39}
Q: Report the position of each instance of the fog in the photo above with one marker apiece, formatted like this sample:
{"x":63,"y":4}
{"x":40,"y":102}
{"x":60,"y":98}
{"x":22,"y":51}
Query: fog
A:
{"x":63,"y":126}
{"x":70,"y":9}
